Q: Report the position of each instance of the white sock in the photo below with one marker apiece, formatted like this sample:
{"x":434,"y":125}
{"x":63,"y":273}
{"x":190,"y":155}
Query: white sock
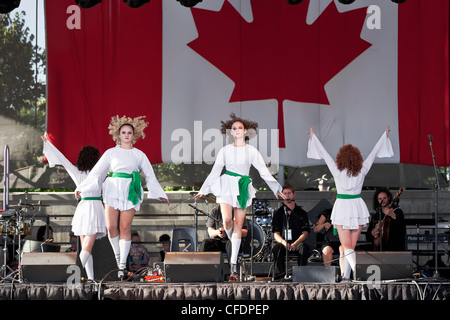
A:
{"x":235,"y":246}
{"x":124,"y":246}
{"x":115,"y":246}
{"x":229,"y":232}
{"x":350,"y":257}
{"x":84,"y":256}
{"x":89,"y":267}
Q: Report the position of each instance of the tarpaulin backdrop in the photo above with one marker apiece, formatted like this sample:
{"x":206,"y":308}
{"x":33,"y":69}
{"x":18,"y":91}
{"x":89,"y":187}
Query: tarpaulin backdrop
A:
{"x":347,"y":70}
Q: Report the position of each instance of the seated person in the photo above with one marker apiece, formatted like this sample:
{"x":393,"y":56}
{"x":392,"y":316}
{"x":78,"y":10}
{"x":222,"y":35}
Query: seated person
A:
{"x":394,"y":238}
{"x":290,"y":227}
{"x":330,"y":243}
{"x":138,"y":257}
{"x":218,"y":240}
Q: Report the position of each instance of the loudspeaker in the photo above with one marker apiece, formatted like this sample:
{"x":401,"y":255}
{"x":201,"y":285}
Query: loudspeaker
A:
{"x":314,"y":274}
{"x":193,"y":267}
{"x":47,"y":266}
{"x":391,"y":265}
{"x":103,"y":259}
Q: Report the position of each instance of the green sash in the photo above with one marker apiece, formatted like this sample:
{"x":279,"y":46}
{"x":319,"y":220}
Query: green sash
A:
{"x":347,"y":196}
{"x":134,"y":194}
{"x":92,"y":198}
{"x":244,"y":181}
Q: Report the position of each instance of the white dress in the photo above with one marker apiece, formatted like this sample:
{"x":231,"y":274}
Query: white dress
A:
{"x":237,"y":160}
{"x":115,"y":190}
{"x":350,"y":213}
{"x":89,"y":216}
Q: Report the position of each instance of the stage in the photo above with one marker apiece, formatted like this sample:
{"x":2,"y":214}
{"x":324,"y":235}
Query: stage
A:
{"x":395,"y":290}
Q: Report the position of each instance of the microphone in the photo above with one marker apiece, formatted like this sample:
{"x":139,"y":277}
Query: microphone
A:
{"x":430,"y":137}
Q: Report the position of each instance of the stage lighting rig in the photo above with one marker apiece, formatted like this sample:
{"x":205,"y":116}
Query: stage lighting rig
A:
{"x":189,"y":3}
{"x":9,"y":5}
{"x":87,"y":3}
{"x":136,"y":3}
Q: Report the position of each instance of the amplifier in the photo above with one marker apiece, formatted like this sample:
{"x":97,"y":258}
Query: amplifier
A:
{"x":193,"y":267}
{"x":47,"y":266}
{"x":390,"y":265}
{"x":326,"y":274}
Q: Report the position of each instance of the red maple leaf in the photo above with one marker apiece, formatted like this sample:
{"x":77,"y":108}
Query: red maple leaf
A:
{"x":278,"y":55}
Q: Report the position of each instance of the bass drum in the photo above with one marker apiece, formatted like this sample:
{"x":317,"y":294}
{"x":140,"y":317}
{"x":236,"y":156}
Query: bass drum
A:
{"x":255,"y":240}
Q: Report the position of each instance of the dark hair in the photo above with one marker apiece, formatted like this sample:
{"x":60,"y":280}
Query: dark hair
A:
{"x":375,"y":202}
{"x":87,"y":158}
{"x":290,"y":187}
{"x":42,"y":233}
{"x":248,"y":125}
{"x":164,"y":238}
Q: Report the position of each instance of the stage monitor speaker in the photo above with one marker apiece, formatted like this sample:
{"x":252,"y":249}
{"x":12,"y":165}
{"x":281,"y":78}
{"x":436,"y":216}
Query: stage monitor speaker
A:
{"x":193,"y":267}
{"x":392,"y":265}
{"x":326,"y":274}
{"x":104,"y":259}
{"x":47,"y":266}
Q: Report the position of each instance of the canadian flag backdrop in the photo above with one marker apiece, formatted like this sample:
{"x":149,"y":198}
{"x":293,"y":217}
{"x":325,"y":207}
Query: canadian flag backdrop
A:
{"x":347,"y":70}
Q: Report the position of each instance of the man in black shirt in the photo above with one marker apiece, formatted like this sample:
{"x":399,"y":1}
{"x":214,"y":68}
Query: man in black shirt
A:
{"x":290,"y":227}
{"x":393,"y":224}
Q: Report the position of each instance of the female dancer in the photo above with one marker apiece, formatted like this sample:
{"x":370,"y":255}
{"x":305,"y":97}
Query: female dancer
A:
{"x":118,"y":171}
{"x":350,"y":213}
{"x":234,"y":189}
{"x":88,"y":220}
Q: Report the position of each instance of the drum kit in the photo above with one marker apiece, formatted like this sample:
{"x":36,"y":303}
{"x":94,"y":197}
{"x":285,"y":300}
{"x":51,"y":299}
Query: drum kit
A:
{"x":14,"y":226}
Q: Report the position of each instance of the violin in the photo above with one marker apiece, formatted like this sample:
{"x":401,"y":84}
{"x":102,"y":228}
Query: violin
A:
{"x":384,"y":224}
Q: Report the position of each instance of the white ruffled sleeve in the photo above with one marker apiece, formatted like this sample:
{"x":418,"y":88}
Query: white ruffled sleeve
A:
{"x":212,"y":183}
{"x":317,"y":151}
{"x":382,"y":149}
{"x":55,"y":158}
{"x":155,"y":191}
{"x":260,"y":165}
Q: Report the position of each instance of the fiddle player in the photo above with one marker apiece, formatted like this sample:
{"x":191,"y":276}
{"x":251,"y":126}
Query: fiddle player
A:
{"x":392,"y":236}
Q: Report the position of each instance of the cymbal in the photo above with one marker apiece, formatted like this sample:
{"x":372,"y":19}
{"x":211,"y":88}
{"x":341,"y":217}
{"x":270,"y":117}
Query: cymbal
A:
{"x":20,"y":205}
{"x":7,"y":214}
{"x":208,"y":197}
{"x":39,"y":204}
{"x":28,"y":205}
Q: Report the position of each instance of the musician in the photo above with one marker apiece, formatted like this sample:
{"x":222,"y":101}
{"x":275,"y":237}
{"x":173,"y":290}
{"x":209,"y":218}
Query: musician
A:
{"x":219,"y":240}
{"x":330,"y":243}
{"x":394,"y":222}
{"x":290,"y":227}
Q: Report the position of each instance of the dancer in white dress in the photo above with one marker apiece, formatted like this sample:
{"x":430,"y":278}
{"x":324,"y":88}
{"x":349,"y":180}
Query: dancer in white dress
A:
{"x":88,"y":220}
{"x":350,"y":213}
{"x":118,"y":172}
{"x":234,"y":189}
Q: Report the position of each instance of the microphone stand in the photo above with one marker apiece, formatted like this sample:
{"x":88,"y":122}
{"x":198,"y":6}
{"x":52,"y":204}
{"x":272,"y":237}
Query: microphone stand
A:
{"x":436,"y":189}
{"x":287,"y":243}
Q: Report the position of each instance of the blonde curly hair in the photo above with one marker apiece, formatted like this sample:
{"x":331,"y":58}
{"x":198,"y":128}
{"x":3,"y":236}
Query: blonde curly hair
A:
{"x":250,"y":126}
{"x":138,"y":124}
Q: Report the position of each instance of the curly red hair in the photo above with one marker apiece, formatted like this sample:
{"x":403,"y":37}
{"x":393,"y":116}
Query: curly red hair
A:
{"x":349,"y":157}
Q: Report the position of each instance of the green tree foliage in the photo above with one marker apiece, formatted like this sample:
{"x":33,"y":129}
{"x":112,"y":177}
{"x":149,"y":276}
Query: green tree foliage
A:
{"x":22,"y":96}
